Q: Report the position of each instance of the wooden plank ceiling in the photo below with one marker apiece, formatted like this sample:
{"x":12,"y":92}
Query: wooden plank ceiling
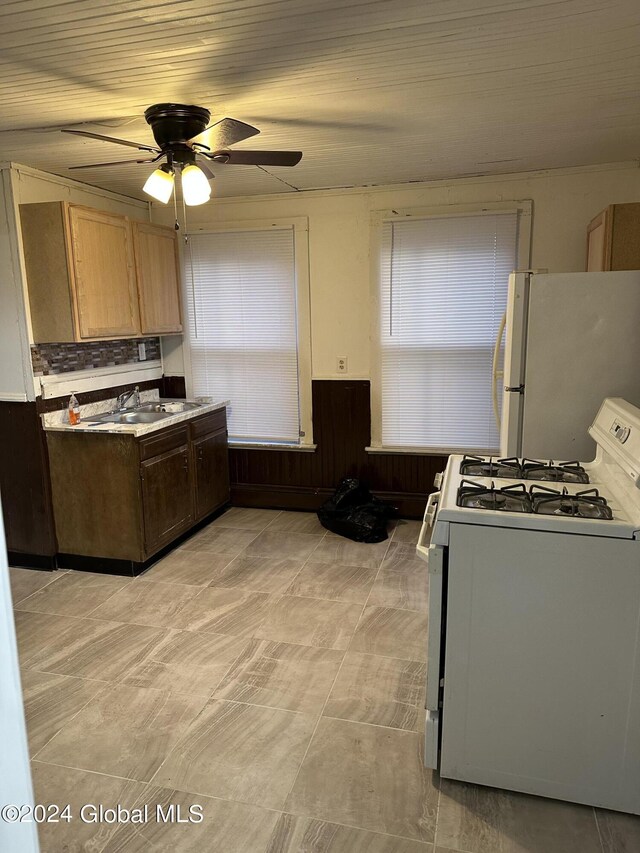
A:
{"x":373,"y":91}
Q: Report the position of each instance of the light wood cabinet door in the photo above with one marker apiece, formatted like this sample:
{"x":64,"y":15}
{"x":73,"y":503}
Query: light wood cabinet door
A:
{"x":156,"y":253}
{"x":103,"y":278}
{"x":599,"y":242}
{"x":613,"y":239}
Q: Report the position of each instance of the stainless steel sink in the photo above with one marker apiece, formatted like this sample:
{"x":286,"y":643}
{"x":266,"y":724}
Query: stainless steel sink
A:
{"x":170,"y":407}
{"x":133,"y":417}
{"x":147,"y":414}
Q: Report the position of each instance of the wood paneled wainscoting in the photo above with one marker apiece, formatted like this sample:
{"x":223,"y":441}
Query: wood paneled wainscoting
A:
{"x":25,"y":487}
{"x":283,"y":479}
{"x":341,"y":429}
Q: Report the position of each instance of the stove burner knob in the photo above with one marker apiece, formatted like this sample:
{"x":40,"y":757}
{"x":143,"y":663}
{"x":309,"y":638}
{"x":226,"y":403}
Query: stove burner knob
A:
{"x":437,"y":480}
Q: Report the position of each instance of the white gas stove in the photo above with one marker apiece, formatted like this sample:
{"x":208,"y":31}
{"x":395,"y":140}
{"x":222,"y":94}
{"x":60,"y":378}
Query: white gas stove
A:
{"x":599,"y":498}
{"x":533,"y":680}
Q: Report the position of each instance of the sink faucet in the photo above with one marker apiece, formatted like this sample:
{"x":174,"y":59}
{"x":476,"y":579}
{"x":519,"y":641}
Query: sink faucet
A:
{"x":126,"y":396}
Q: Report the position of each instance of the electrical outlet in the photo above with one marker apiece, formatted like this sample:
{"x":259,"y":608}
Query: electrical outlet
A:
{"x":343,"y":364}
{"x":142,"y":351}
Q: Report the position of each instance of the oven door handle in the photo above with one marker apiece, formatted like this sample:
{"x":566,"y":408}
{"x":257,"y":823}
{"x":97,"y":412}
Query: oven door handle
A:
{"x":425,"y":532}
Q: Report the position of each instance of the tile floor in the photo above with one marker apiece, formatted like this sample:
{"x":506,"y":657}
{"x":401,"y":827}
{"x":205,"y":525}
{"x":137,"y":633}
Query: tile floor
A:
{"x":273,"y":674}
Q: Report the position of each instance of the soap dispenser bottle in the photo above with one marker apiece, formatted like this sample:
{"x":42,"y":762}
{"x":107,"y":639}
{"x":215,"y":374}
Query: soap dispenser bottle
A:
{"x":74,"y":410}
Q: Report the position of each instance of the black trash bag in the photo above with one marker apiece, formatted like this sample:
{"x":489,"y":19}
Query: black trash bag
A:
{"x":355,"y":513}
{"x":350,"y":492}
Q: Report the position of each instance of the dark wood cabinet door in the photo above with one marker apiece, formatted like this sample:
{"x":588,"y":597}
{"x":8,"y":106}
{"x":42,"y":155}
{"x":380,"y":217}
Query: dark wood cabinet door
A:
{"x":211,"y":466}
{"x":167,"y":497}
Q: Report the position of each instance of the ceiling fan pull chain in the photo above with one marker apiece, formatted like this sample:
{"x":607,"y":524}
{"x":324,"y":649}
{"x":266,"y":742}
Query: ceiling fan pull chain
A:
{"x":187,"y":243}
{"x":175,"y":210}
{"x":184,"y":215}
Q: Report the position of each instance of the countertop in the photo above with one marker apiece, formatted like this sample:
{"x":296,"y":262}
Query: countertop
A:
{"x":57,"y":421}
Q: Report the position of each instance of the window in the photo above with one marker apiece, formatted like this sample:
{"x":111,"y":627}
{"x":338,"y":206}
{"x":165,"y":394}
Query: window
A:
{"x":248,"y":328}
{"x":442,"y":292}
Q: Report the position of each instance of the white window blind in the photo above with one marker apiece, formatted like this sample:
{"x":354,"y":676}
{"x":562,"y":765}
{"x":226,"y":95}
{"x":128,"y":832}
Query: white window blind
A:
{"x":242,"y":325}
{"x":443,"y":293}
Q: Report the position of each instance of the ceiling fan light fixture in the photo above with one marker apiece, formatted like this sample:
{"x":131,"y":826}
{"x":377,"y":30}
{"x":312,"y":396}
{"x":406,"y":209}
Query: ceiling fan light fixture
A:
{"x":195,"y":186}
{"x":182,"y":138}
{"x":159,"y":184}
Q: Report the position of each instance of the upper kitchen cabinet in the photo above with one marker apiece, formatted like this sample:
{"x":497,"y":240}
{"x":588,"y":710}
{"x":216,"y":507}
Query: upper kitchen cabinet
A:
{"x":95,"y":275}
{"x":80,"y":273}
{"x":156,"y":252}
{"x":613,"y":239}
{"x":103,"y":274}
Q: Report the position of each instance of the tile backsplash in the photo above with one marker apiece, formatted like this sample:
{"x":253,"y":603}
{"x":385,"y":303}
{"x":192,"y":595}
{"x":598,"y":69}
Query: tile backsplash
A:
{"x":48,"y":359}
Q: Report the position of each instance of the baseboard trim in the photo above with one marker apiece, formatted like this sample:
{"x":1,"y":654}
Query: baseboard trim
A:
{"x":31,"y":561}
{"x":278,"y":497}
{"x":308,"y":498}
{"x":131,"y":568}
{"x":100,"y":565}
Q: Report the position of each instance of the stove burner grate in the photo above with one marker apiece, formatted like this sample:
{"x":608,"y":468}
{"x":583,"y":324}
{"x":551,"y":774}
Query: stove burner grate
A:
{"x":538,"y":499}
{"x":523,"y":469}
{"x":562,"y":472}
{"x":476,"y":466}
{"x":513,"y":498}
{"x":586,"y":504}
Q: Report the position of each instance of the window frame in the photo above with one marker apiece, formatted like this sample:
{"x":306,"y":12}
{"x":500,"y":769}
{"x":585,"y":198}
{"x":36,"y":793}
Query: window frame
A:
{"x":524,"y":209}
{"x":300,"y":227}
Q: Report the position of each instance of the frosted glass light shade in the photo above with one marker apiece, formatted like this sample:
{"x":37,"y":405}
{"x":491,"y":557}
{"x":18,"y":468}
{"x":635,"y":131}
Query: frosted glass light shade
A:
{"x":195,"y":186}
{"x":159,"y":184}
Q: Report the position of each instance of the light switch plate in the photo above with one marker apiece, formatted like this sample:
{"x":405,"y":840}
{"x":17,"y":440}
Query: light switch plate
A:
{"x":142,"y":351}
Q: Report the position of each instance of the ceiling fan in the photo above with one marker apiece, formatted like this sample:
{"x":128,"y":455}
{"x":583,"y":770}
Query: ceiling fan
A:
{"x":182,"y":137}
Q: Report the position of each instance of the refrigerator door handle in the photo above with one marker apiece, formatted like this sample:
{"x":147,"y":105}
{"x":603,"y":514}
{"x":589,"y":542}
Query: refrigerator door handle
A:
{"x":514,"y":373}
{"x":497,"y":374}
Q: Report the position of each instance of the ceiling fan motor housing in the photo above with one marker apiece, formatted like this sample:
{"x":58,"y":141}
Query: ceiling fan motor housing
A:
{"x":174,"y":124}
{"x":182,"y":134}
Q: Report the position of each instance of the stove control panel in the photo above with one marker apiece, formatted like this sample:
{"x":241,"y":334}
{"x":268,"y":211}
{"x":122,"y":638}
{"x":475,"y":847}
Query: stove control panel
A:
{"x":619,"y":431}
{"x":616,"y":431}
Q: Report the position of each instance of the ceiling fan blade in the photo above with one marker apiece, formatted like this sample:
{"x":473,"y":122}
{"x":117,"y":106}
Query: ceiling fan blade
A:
{"x":325,"y":124}
{"x":203,"y":166}
{"x":223,"y":133}
{"x":257,"y":158}
{"x":113,"y":163}
{"x":113,"y":139}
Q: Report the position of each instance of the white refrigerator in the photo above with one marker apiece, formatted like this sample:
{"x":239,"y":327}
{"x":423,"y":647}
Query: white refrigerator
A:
{"x":572,"y":339}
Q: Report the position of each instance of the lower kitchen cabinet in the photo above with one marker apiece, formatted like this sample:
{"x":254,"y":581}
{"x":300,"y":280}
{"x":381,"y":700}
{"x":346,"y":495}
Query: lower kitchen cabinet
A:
{"x":119,"y":499}
{"x":166,"y":496}
{"x":211,"y":466}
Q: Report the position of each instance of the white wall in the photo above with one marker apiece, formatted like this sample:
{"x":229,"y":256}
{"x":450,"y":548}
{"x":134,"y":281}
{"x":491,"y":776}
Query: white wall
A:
{"x":33,"y":185}
{"x":564,"y":201}
{"x":15,"y":363}
{"x":23,"y":185}
{"x":15,"y":773}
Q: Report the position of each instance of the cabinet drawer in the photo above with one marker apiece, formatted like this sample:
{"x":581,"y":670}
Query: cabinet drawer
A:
{"x":209,"y":423}
{"x":161,"y":442}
